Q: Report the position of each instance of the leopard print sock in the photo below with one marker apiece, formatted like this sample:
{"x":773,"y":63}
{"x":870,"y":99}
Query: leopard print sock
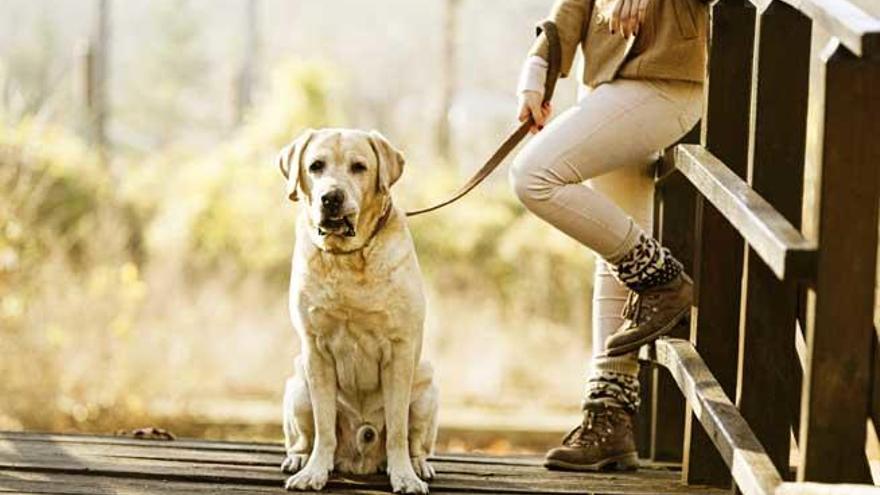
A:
{"x":647,"y":265}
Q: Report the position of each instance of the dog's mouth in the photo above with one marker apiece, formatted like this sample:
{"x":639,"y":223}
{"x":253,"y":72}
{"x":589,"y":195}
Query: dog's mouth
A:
{"x":340,"y":226}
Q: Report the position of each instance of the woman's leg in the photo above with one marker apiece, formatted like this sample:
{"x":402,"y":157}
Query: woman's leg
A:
{"x":620,"y":125}
{"x":616,"y":378}
{"x":610,"y":138}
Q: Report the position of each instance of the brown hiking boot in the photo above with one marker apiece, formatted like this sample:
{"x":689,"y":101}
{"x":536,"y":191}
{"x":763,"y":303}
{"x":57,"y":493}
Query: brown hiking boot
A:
{"x":651,"y":314}
{"x":604,"y":441}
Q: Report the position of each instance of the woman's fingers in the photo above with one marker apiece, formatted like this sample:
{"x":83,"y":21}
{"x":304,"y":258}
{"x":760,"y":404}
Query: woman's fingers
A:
{"x":615,"y":16}
{"x":634,"y":20}
{"x":530,"y":107}
{"x":643,"y":11}
{"x":524,"y":111}
{"x":623,"y":22}
{"x":627,"y":17}
{"x":537,"y":113}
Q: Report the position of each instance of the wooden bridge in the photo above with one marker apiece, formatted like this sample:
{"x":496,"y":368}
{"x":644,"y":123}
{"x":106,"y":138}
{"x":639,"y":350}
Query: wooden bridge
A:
{"x":72,"y":464}
{"x":781,"y":355}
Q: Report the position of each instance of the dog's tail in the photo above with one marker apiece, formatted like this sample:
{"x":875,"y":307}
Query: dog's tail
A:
{"x":366,"y":437}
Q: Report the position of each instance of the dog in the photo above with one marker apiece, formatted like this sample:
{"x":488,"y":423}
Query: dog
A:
{"x":360,"y":400}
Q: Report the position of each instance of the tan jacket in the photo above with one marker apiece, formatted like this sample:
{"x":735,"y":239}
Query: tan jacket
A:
{"x":671,"y":43}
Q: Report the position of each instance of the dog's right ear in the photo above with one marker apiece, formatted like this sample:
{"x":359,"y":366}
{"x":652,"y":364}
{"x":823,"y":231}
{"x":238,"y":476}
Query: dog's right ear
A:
{"x":291,"y":156}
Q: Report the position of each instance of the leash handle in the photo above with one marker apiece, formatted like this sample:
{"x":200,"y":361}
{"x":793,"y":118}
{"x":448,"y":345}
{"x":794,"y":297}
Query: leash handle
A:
{"x":548,"y":29}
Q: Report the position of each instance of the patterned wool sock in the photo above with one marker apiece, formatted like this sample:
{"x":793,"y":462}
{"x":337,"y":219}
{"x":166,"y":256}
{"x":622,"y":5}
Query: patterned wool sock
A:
{"x":647,"y":264}
{"x":614,"y":381}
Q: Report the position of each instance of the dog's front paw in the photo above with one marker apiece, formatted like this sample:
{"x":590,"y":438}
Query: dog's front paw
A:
{"x":313,"y":476}
{"x":423,"y":468}
{"x":406,"y":481}
{"x":294,"y":462}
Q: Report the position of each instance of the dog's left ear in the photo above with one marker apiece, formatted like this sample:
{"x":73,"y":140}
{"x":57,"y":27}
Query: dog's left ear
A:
{"x":291,"y":156}
{"x":390,"y":162}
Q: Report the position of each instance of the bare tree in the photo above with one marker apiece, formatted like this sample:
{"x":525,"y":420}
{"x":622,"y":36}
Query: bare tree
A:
{"x":93,"y":57}
{"x":449,"y":76}
{"x":247,"y":72}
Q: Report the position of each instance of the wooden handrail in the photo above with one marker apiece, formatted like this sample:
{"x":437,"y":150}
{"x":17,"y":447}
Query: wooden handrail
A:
{"x":773,"y":237}
{"x":858,"y":30}
{"x":750,"y":465}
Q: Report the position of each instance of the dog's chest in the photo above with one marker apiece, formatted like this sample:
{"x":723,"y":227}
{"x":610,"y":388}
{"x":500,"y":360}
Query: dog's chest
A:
{"x":358,"y":342}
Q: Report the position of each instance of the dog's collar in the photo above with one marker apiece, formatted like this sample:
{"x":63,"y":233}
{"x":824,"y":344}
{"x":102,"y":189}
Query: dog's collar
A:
{"x":376,"y":229}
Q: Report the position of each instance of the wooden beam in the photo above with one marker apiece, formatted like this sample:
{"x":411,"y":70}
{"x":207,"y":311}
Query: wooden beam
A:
{"x":718,"y":247}
{"x":768,"y":369}
{"x":858,"y":30}
{"x":675,"y":229}
{"x":779,"y":244}
{"x":674,"y":199}
{"x":752,"y":468}
{"x":826,"y":489}
{"x":837,"y":379}
{"x":875,"y":382}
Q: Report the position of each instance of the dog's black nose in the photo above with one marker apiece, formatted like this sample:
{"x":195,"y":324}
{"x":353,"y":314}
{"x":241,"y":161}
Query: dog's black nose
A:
{"x":332,"y":201}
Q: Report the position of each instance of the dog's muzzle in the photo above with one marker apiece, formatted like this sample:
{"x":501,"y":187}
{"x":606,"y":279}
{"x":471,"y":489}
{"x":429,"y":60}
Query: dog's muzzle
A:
{"x":337,"y":226}
{"x":333,"y":220}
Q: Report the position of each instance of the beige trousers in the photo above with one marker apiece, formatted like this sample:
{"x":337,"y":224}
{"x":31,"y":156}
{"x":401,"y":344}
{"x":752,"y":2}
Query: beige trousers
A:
{"x":589,"y":174}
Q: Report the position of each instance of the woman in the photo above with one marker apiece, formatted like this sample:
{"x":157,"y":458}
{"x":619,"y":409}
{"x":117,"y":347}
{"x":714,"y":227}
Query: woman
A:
{"x":644,"y":63}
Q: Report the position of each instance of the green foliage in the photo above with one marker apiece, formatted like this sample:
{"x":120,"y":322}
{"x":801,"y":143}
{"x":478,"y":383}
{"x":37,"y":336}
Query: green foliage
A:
{"x":226,"y":208}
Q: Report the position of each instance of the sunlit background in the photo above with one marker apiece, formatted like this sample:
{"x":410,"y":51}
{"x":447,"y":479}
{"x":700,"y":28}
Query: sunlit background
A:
{"x":145,"y":237}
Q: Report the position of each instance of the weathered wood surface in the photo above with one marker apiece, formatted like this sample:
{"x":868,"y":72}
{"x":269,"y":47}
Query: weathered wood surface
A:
{"x":837,"y":378}
{"x":779,"y":244}
{"x":73,"y":464}
{"x":749,"y":463}
{"x":719,"y":247}
{"x":769,"y":372}
{"x":661,"y":426}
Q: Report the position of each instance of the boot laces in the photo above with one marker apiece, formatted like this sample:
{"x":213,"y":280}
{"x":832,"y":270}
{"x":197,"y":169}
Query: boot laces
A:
{"x":595,"y":429}
{"x":638,"y":307}
{"x":632,"y":308}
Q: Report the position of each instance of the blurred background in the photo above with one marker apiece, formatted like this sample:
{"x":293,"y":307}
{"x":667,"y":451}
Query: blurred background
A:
{"x":145,"y":237}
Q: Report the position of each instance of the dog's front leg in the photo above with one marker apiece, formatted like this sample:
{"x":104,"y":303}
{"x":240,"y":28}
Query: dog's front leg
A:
{"x":397,"y":377}
{"x":321,"y":374}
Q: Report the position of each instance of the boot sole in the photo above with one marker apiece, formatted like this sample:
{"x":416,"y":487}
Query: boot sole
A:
{"x":647,"y":339}
{"x":625,"y":462}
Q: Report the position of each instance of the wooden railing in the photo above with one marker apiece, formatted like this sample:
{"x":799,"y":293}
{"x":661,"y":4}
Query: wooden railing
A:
{"x":781,"y":342}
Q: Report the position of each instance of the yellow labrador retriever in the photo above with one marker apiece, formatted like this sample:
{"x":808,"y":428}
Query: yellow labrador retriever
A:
{"x":360,"y":400}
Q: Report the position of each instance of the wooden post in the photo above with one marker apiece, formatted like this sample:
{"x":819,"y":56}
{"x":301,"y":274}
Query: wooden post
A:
{"x":719,"y":248}
{"x":769,"y":374}
{"x":663,"y":407}
{"x":837,"y":378}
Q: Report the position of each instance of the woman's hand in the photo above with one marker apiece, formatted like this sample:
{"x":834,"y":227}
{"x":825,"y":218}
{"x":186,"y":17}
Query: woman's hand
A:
{"x":530,"y":89}
{"x":627,"y":16}
{"x":530,"y":105}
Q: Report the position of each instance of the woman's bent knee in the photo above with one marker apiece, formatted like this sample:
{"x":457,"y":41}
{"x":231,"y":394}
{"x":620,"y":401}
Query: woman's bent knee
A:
{"x":526,"y":181}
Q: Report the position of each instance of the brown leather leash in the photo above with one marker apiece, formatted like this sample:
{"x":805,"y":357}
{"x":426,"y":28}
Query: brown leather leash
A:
{"x":548,"y":28}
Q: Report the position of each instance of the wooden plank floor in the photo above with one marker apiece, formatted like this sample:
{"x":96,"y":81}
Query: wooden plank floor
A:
{"x":77,"y":464}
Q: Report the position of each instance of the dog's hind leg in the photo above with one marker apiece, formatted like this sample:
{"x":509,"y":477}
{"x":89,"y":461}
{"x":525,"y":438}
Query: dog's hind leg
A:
{"x":299,"y":421}
{"x":423,"y":421}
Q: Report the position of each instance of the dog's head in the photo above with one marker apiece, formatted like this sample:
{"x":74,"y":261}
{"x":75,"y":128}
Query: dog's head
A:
{"x":345,"y":176}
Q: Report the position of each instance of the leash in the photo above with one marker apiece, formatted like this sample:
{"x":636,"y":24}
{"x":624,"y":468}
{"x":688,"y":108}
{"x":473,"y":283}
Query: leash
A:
{"x":548,"y":28}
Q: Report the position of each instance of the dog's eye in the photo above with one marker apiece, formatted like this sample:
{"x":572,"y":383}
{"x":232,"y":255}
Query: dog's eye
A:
{"x":358,"y":168}
{"x":316,"y":166}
